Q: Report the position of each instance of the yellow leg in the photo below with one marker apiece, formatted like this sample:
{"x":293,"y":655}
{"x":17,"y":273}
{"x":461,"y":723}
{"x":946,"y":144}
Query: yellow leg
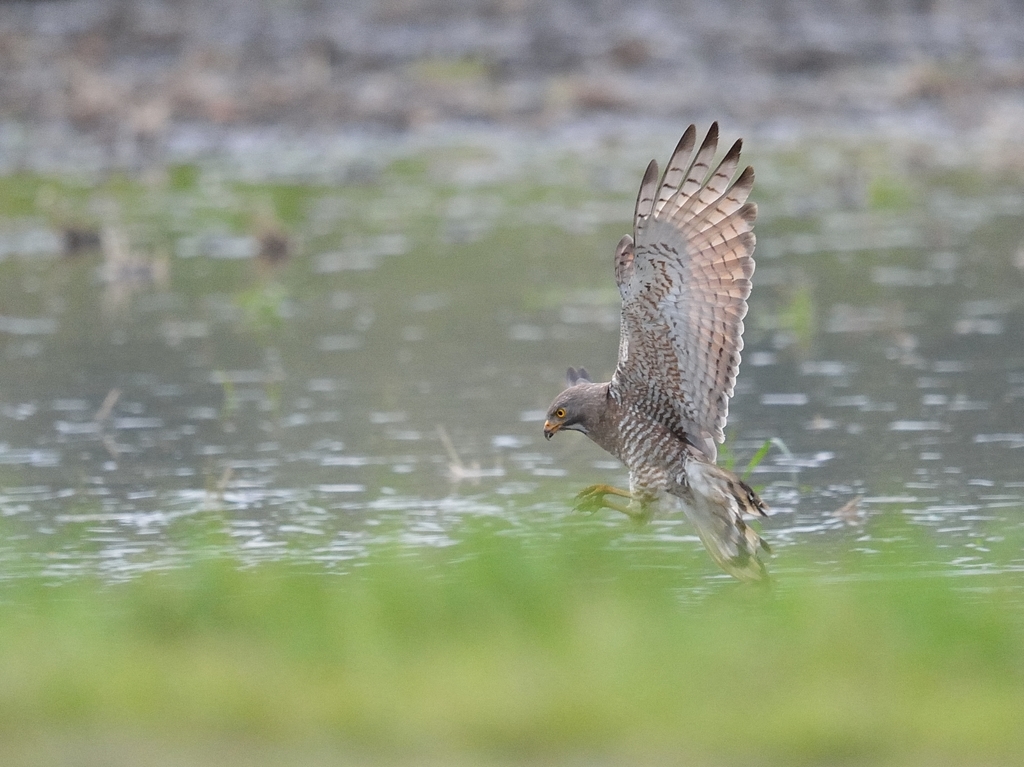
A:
{"x":594,"y":498}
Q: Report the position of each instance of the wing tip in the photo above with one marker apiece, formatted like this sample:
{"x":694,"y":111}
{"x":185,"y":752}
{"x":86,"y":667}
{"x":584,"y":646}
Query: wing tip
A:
{"x":712,"y":134}
{"x":687,"y":140}
{"x":734,"y":152}
{"x":645,"y":198}
{"x":652,"y":171}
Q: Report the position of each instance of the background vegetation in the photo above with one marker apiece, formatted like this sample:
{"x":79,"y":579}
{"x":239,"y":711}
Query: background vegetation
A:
{"x":516,"y":646}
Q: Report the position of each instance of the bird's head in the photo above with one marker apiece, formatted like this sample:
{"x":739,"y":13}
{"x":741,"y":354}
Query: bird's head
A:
{"x":573,"y":409}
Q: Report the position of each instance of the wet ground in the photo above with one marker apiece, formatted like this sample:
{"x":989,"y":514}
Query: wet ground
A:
{"x":329,"y":340}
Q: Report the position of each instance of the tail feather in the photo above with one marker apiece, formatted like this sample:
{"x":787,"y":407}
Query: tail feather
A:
{"x":717,"y":500}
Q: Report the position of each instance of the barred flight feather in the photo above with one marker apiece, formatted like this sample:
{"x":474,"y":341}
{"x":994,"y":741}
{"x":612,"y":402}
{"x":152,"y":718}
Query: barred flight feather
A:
{"x":685,"y":288}
{"x":693,"y":179}
{"x":645,"y":197}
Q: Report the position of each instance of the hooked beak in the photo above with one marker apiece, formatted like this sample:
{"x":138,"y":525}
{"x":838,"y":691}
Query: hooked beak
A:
{"x":550,"y":429}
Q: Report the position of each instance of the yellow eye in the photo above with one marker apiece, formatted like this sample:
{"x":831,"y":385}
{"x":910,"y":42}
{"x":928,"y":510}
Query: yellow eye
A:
{"x":560,"y":413}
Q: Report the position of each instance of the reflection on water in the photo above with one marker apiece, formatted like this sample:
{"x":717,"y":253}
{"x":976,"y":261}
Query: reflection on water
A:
{"x":385,"y":373}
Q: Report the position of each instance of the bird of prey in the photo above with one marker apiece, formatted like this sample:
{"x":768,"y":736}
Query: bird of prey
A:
{"x":684,"y":278}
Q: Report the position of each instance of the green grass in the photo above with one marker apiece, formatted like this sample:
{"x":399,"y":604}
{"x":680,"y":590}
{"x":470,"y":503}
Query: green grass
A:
{"x":526,"y":648}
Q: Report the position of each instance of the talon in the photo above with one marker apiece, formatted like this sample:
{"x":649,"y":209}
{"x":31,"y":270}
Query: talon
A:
{"x":588,"y":501}
{"x":593,"y":499}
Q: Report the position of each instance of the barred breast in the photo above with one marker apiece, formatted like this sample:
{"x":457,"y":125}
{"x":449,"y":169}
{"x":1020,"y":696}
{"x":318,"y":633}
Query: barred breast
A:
{"x":655,"y":455}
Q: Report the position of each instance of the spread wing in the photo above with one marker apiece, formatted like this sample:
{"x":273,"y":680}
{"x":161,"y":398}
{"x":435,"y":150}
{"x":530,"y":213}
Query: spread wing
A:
{"x":684,"y":278}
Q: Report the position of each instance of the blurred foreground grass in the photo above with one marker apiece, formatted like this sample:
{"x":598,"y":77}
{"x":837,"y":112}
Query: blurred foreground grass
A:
{"x":517,"y":648}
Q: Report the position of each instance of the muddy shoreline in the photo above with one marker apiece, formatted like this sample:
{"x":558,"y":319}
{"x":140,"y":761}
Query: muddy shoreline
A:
{"x":129,"y":75}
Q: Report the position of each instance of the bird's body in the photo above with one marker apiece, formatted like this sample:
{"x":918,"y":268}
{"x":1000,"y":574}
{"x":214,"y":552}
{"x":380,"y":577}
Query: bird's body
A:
{"x":684,"y":277}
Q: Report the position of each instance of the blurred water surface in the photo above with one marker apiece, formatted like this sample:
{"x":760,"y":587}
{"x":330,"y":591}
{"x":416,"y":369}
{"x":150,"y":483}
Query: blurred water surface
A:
{"x":329,"y":341}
